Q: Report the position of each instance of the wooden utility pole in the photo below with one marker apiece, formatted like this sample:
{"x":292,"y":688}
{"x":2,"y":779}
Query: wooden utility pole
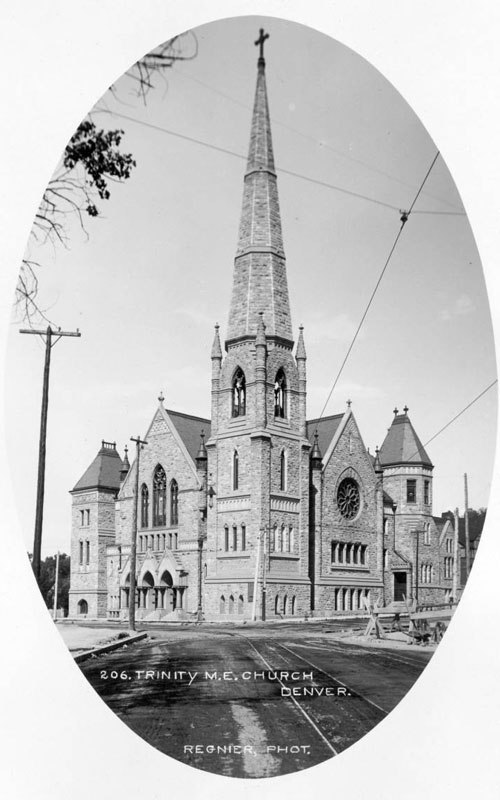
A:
{"x":51,"y":338}
{"x":139,"y":443}
{"x":466,"y":520}
{"x":455,"y":559}
{"x":56,"y":585}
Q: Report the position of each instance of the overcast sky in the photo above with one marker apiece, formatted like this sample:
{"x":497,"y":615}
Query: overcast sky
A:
{"x":154,"y":274}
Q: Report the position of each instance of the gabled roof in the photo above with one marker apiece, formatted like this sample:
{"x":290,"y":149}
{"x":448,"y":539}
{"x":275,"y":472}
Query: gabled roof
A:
{"x":189,"y":428}
{"x":104,"y":471}
{"x":402,"y":445}
{"x":326,"y":427}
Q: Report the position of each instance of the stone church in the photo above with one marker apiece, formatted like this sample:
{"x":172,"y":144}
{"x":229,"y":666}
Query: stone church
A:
{"x":258,"y":512}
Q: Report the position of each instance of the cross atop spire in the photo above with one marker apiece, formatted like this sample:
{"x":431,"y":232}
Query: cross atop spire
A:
{"x":260,"y":41}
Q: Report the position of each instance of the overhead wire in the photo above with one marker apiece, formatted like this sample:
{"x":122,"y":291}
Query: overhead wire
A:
{"x":404,"y":219}
{"x":310,"y":138}
{"x":300,"y":176}
{"x":450,"y":422}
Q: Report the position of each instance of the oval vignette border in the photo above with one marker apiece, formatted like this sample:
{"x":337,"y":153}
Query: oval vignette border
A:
{"x":330,"y":769}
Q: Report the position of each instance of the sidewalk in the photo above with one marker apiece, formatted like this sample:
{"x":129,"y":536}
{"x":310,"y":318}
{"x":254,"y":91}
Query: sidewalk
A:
{"x":79,"y":638}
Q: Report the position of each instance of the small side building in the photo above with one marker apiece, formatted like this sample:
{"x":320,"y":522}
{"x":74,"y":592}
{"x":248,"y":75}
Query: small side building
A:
{"x":92,"y":531}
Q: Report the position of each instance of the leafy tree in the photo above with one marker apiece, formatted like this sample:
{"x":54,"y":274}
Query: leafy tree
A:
{"x":48,"y":578}
{"x":476,"y":523}
{"x":92,"y":158}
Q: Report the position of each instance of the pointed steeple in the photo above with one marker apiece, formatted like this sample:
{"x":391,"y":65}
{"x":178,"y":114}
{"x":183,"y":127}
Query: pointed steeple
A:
{"x":216,"y":348}
{"x":125,"y":465}
{"x":301,"y":348}
{"x":260,"y":282}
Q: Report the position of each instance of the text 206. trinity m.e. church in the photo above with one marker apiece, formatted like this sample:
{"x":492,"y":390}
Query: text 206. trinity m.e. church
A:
{"x":258,"y":495}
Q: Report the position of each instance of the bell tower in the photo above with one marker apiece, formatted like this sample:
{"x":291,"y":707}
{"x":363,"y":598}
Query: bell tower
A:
{"x":258,"y":454}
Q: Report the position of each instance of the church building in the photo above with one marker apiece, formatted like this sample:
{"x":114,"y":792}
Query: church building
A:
{"x":258,"y":512}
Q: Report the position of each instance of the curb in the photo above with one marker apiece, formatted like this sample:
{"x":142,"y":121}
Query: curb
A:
{"x":107,"y":648}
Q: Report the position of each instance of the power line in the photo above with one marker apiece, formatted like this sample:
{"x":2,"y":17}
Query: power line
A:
{"x":318,"y":142}
{"x":458,"y":415}
{"x":228,"y":152}
{"x":404,"y":219}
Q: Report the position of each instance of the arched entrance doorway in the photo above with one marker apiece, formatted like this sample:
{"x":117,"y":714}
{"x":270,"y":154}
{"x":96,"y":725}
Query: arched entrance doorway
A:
{"x":165,"y":593}
{"x":147,"y":598}
{"x":83,"y":607}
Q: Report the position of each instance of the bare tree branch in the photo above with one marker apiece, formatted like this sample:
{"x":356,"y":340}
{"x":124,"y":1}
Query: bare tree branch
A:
{"x":92,"y":158}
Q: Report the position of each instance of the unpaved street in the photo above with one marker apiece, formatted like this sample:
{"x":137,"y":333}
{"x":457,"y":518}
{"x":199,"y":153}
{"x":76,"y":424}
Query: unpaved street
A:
{"x":253,"y":702}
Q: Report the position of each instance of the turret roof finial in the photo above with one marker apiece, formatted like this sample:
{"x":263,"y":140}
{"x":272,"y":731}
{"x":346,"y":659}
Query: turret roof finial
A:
{"x":396,"y":411}
{"x":160,"y":397}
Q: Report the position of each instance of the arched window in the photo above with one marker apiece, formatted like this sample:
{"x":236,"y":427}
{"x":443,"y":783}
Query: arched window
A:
{"x":277,"y":604}
{"x":240,"y":604}
{"x":236,"y":470}
{"x":285,"y":532}
{"x":87,"y":551}
{"x":283,"y":471}
{"x":80,"y":559}
{"x":243,"y":537}
{"x":292,"y":540}
{"x":231,"y":604}
{"x":226,"y":538}
{"x":292,"y":607}
{"x":239,"y":394}
{"x":144,"y":505}
{"x":235,"y":537}
{"x":285,"y":605}
{"x":222,"y":604}
{"x":174,"y":503}
{"x":280,"y":394}
{"x":427,"y":534}
{"x":159,"y":497}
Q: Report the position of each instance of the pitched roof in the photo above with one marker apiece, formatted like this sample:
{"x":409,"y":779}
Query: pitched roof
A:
{"x":104,"y":471}
{"x":189,"y":429}
{"x":326,"y":427}
{"x":402,"y":445}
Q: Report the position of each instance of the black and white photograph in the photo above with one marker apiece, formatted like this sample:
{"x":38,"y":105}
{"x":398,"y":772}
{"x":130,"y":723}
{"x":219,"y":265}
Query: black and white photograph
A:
{"x":250,"y":406}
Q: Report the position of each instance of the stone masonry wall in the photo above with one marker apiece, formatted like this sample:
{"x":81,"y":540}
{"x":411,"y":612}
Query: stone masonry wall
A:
{"x":92,"y":529}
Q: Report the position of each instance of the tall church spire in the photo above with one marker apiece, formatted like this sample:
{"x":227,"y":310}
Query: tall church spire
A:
{"x":260,"y":282}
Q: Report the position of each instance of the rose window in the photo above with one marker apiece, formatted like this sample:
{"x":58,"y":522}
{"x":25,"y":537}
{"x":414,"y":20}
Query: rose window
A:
{"x":348,"y":498}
